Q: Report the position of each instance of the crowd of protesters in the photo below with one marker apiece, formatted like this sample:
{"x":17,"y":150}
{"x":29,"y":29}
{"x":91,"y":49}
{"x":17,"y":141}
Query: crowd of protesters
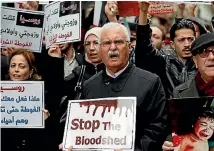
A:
{"x":149,"y":63}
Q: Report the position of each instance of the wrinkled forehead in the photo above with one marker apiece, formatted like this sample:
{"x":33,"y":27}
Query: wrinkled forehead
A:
{"x":112,"y":33}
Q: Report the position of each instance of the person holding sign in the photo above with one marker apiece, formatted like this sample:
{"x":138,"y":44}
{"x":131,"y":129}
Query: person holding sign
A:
{"x":173,"y":70}
{"x":22,"y":68}
{"x":121,"y":78}
{"x":203,"y":83}
{"x":92,"y":65}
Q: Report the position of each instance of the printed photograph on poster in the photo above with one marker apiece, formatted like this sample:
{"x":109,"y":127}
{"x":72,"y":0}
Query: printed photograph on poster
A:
{"x":22,"y":29}
{"x":62,"y":22}
{"x":107,"y":123}
{"x":20,"y":106}
{"x":192,"y":122}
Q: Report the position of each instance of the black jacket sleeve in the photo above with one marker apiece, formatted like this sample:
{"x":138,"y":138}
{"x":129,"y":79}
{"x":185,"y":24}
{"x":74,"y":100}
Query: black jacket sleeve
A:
{"x":146,"y":56}
{"x":156,"y":130}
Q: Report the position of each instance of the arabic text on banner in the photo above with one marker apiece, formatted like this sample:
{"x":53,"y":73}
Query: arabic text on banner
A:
{"x":22,"y":29}
{"x":21,"y":104}
{"x":107,"y":123}
{"x":63,"y":22}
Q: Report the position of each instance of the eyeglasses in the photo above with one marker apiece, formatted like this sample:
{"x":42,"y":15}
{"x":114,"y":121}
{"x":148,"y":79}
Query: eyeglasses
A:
{"x":205,"y":53}
{"x":183,"y":39}
{"x":117,"y":43}
{"x":94,"y":43}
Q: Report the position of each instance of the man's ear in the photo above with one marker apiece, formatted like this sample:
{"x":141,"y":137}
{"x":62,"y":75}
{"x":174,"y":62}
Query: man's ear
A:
{"x":172,"y":44}
{"x":195,"y":61}
{"x":130,"y":47}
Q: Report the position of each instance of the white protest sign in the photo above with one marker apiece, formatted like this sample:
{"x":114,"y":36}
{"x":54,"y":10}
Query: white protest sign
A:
{"x":21,"y":28}
{"x":62,"y":22}
{"x":107,"y":123}
{"x":21,"y":104}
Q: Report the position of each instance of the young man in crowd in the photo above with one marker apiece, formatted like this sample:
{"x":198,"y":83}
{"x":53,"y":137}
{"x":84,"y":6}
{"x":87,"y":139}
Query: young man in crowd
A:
{"x":172,"y":70}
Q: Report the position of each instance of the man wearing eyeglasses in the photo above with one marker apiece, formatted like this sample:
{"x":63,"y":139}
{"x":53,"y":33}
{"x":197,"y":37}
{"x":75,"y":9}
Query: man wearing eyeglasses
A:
{"x":121,"y":78}
{"x":203,"y":83}
{"x":172,"y":69}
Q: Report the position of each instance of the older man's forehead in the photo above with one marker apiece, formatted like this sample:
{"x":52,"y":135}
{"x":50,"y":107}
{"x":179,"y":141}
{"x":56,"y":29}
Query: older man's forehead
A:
{"x":113,"y":31}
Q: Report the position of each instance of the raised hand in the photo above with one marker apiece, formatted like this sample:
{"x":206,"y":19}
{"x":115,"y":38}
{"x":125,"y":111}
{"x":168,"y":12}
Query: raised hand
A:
{"x":54,"y":51}
{"x":144,"y":6}
{"x":181,"y":6}
{"x":111,"y":10}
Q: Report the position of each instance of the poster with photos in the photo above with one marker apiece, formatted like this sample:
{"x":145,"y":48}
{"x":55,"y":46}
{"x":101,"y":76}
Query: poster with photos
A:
{"x":192,"y":121}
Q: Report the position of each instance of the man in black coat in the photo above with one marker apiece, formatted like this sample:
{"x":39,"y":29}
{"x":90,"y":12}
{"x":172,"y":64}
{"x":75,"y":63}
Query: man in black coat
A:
{"x":123,"y":79}
{"x":172,"y":69}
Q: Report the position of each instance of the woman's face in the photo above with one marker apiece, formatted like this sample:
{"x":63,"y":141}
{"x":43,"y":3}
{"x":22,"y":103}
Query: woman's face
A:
{"x":93,"y":49}
{"x":204,"y":128}
{"x":19,"y":68}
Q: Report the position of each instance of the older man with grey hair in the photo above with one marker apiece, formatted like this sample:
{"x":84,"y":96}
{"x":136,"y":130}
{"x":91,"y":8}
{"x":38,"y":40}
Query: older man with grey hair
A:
{"x":123,"y":79}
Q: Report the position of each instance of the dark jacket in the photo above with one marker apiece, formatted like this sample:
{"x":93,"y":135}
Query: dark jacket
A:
{"x":170,"y":69}
{"x":4,"y":67}
{"x":151,"y":116}
{"x":187,"y":89}
{"x":65,"y":87}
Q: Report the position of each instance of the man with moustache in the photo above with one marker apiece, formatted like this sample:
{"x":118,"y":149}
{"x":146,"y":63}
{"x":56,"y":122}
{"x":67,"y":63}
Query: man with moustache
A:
{"x":122,"y":79}
{"x":173,"y":70}
{"x":203,"y":83}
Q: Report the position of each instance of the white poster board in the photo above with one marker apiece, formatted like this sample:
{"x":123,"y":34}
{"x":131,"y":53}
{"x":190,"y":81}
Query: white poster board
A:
{"x":21,"y":28}
{"x":21,"y":104}
{"x":62,"y":22}
{"x":107,"y":124}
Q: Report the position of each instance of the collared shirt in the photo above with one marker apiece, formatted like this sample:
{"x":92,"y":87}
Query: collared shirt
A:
{"x":69,"y":65}
{"x":118,"y":73}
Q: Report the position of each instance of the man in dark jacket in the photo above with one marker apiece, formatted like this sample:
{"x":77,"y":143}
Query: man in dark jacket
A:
{"x":203,"y":83}
{"x":122,"y":78}
{"x":173,"y":70}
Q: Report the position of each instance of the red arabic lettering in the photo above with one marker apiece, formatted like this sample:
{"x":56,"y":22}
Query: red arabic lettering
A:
{"x":19,"y":88}
{"x":65,"y":36}
{"x":23,"y":44}
{"x":8,"y":42}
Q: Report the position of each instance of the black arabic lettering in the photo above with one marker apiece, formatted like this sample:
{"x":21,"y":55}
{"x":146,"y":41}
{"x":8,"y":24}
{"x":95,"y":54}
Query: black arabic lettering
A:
{"x":9,"y":17}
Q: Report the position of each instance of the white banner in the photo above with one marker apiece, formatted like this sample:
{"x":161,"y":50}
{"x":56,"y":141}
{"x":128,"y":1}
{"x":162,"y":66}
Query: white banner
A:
{"x":107,"y":123}
{"x":62,"y":22}
{"x":21,"y":104}
{"x":21,"y":28}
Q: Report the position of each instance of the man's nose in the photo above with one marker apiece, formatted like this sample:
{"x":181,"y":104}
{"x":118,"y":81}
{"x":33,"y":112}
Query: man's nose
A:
{"x":211,"y":55}
{"x":113,"y":46}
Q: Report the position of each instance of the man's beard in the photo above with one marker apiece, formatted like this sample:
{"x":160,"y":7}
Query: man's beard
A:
{"x":64,"y":51}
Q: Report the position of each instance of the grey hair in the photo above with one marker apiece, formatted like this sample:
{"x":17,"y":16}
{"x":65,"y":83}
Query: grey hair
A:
{"x":114,"y":25}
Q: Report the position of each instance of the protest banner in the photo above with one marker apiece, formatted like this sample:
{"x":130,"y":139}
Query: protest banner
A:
{"x":21,"y":104}
{"x":62,"y":22}
{"x":21,"y":28}
{"x":192,"y":122}
{"x":107,"y":123}
{"x":155,"y":8}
